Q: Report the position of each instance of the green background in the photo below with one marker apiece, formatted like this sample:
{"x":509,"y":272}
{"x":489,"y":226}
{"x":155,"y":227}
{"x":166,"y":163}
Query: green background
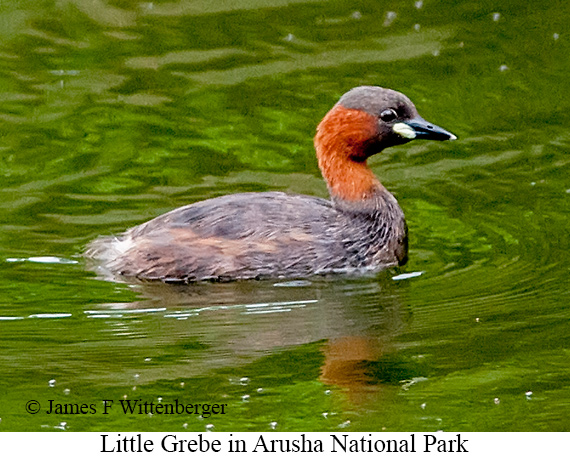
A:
{"x":113,"y":112}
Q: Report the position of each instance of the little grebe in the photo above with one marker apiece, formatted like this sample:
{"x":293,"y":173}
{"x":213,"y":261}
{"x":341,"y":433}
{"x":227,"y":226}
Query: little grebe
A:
{"x":273,"y":234}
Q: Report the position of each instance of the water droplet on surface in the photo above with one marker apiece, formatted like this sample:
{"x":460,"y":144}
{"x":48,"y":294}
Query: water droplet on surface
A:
{"x":244,"y":381}
{"x":496,"y":401}
{"x":496,"y":17}
{"x":259,"y":390}
{"x":159,"y":399}
{"x":51,"y":382}
{"x":148,"y":359}
{"x":423,"y":406}
{"x":66,"y":391}
{"x":390,"y":18}
{"x":419,"y":4}
{"x":503,"y":68}
{"x":356,"y":15}
{"x":209,"y":427}
{"x":344,"y":424}
{"x":245,"y":398}
{"x":185,"y":425}
{"x":273,"y":425}
{"x":417,"y":27}
{"x":555,"y":36}
{"x":327,"y":392}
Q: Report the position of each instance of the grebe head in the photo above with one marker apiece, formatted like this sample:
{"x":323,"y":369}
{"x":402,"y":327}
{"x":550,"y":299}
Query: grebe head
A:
{"x":365,"y":121}
{"x":388,"y":117}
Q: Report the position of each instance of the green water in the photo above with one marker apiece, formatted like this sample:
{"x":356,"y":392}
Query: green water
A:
{"x":114,"y":112}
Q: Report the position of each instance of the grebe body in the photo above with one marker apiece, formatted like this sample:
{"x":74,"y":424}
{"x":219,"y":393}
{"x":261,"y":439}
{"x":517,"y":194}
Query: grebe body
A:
{"x":278,"y":235}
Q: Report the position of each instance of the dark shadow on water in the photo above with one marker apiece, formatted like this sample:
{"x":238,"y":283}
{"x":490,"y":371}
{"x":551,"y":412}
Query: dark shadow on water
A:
{"x":346,"y":325}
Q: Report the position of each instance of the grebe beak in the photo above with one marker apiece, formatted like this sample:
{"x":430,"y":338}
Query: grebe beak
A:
{"x":420,"y":129}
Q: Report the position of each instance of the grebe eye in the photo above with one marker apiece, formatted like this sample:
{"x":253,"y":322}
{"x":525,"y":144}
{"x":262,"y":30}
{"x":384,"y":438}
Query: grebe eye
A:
{"x":388,"y":115}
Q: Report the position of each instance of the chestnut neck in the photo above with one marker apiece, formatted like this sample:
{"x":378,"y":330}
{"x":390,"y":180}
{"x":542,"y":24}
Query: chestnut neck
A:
{"x":342,"y":140}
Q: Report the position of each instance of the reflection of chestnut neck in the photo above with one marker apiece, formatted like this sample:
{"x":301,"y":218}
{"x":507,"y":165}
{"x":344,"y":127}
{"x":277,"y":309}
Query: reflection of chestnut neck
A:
{"x":341,"y":141}
{"x":346,"y":365}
